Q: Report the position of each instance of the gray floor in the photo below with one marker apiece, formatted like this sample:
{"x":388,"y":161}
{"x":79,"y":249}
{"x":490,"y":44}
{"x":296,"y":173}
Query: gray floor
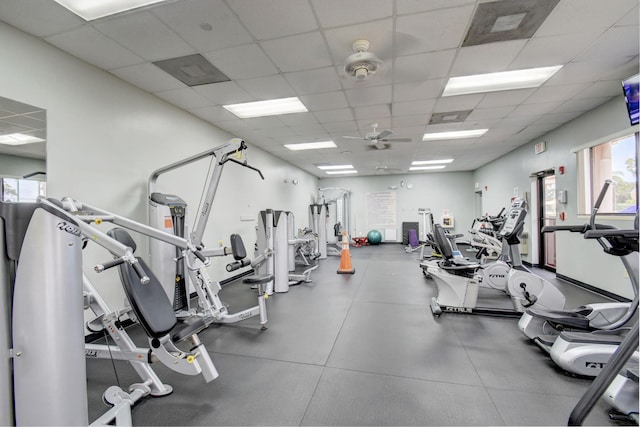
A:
{"x":362,"y":349}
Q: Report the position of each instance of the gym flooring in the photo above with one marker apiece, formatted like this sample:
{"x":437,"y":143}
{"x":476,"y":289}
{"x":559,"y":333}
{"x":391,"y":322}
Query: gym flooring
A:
{"x":362,"y":349}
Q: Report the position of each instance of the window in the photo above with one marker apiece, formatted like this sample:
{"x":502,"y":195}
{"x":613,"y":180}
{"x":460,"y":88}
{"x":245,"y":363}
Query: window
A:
{"x":617,"y":160}
{"x":22,"y":190}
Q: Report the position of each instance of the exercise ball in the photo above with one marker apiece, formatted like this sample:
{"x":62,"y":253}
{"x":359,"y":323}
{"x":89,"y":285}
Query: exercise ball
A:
{"x":374,"y":237}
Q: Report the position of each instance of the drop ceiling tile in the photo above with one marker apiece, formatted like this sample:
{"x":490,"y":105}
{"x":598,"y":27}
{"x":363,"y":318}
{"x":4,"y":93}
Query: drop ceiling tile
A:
{"x":556,"y":93}
{"x":427,"y":89}
{"x":576,"y":16}
{"x":378,"y":33}
{"x":409,"y":121}
{"x":458,"y":103}
{"x":213,"y":114}
{"x":298,"y":119}
{"x":94,"y":47}
{"x":505,"y":98}
{"x":267,"y":87}
{"x":554,"y":50}
{"x":533,"y":111}
{"x":616,"y":42}
{"x":275,"y":18}
{"x":304,"y":133}
{"x":185,"y":98}
{"x":583,"y":72}
{"x":224,"y":93}
{"x":148,"y":77}
{"x":145,"y":35}
{"x":297,"y":53}
{"x":413,"y":6}
{"x":486,"y":58}
{"x":314,"y":81}
{"x":601,"y":89}
{"x":341,"y":127}
{"x":186,"y":19}
{"x":433,"y":31}
{"x":269,"y":122}
{"x":242,"y":62}
{"x":631,"y":18}
{"x":412,"y":108}
{"x":369,"y":96}
{"x":490,"y":113}
{"x":37,"y":17}
{"x":337,"y":115}
{"x":333,"y":13}
{"x":423,"y":66}
{"x":325,"y":101}
{"x":366,"y":125}
{"x":376,"y":112}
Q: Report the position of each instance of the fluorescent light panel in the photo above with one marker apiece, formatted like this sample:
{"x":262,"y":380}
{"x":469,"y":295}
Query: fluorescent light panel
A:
{"x":335,"y":167}
{"x":271,"y":107}
{"x":94,"y":9}
{"x":18,"y":139}
{"x":424,"y":168}
{"x":310,"y":145}
{"x":458,"y":134}
{"x":430,"y":162}
{"x":492,"y":82}
{"x":341,"y":172}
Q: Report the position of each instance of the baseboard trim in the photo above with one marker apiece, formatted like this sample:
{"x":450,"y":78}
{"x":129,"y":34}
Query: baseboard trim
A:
{"x":593,"y":289}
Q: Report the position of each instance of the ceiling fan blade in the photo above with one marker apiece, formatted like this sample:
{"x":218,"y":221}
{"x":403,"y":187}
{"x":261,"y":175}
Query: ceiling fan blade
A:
{"x":397,"y":139}
{"x":352,"y":137}
{"x":383,"y":134}
{"x":381,"y":146}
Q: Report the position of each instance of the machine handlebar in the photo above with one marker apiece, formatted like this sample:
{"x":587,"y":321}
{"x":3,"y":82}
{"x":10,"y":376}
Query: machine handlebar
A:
{"x":233,"y":266}
{"x":144,"y":279}
{"x":244,"y":164}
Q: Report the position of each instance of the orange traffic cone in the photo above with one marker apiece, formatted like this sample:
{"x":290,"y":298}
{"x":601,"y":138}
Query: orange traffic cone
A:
{"x":345,"y":257}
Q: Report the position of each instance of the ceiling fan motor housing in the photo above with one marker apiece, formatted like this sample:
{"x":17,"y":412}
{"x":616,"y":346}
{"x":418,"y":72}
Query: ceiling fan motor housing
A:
{"x":361,"y":64}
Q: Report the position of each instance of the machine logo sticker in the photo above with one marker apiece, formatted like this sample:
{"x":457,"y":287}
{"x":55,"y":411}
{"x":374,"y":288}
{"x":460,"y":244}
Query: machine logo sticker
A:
{"x":69,"y":228}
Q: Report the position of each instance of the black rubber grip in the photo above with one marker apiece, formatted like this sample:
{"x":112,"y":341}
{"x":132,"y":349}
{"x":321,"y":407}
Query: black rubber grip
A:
{"x":572,"y":228}
{"x":144,"y":279}
{"x":603,"y":192}
{"x":233,"y":266}
{"x":109,"y":264}
{"x":200,"y":256}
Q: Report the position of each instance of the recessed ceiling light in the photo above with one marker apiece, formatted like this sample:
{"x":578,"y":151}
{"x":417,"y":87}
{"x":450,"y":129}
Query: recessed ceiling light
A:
{"x":505,"y":80}
{"x":335,"y":167}
{"x":310,"y":145}
{"x":458,"y":134}
{"x":271,"y":107}
{"x":18,"y":139}
{"x":92,"y":9}
{"x":341,"y":172}
{"x":424,"y":168}
{"x":430,"y":162}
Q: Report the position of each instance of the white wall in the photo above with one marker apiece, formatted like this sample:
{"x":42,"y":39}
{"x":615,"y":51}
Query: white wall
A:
{"x":577,"y":258}
{"x":105,"y":137}
{"x":436,"y":191}
{"x":17,"y":167}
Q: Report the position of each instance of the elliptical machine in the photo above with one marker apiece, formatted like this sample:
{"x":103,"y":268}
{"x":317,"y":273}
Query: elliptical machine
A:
{"x":582,"y":340}
{"x":458,"y":282}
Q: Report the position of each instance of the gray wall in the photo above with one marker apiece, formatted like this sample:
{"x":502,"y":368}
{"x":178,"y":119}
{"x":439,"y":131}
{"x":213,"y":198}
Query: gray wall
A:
{"x":576,"y":258}
{"x":452,"y":191}
{"x":16,"y":166}
{"x":105,"y":137}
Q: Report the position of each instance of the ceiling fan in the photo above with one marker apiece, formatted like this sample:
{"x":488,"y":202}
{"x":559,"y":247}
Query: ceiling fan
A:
{"x":361,"y":64}
{"x":377,"y":139}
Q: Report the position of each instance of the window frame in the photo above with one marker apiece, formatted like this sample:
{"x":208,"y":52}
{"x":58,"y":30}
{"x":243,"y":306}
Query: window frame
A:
{"x":587,"y":193}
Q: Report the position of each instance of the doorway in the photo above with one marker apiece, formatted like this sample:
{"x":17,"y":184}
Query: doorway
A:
{"x":547,"y":216}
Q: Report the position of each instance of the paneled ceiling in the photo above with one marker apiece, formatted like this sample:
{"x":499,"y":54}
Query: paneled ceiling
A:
{"x":284,"y":48}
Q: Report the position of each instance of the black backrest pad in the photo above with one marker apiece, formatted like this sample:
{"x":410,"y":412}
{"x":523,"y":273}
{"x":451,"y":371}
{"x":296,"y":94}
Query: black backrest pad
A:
{"x":149,"y":302}
{"x":442,"y":242}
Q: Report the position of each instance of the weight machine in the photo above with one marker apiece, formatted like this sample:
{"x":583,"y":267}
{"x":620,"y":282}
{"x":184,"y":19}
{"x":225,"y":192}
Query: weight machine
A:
{"x":169,"y":213}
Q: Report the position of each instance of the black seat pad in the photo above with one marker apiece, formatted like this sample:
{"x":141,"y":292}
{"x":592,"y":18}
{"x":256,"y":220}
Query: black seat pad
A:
{"x":149,"y":301}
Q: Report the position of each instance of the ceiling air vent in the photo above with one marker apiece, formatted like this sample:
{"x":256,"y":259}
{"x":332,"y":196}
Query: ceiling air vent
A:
{"x":503,"y":20}
{"x":192,"y":70}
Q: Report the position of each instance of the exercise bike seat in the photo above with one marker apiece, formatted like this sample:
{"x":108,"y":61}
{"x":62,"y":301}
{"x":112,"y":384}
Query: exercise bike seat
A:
{"x":149,"y":302}
{"x":572,"y":319}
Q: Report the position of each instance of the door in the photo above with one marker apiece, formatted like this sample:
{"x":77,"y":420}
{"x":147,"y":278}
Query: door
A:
{"x":547,"y":215}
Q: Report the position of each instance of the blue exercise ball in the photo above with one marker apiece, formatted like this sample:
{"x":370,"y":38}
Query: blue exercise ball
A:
{"x":374,"y":237}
